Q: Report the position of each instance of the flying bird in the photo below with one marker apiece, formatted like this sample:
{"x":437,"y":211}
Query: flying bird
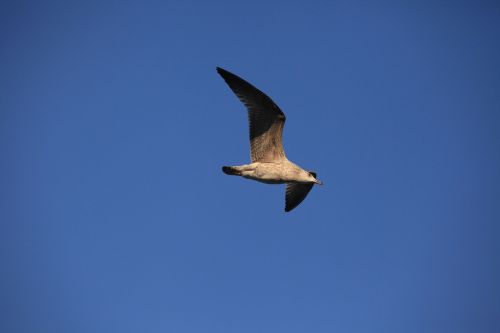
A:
{"x":269,"y":163}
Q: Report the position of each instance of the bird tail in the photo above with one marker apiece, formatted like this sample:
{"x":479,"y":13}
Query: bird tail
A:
{"x":231,"y":171}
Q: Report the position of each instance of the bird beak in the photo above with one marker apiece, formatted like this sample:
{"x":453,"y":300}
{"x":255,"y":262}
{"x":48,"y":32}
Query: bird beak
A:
{"x":319,"y":182}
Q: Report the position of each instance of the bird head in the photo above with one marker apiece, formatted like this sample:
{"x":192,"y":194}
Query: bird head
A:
{"x":312,"y":175}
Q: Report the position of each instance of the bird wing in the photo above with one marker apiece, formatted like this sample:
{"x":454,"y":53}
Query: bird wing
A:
{"x":295,"y":194}
{"x":265,"y":118}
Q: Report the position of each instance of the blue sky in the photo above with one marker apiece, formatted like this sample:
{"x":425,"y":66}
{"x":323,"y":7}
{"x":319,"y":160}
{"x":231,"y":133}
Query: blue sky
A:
{"x":116,"y":217}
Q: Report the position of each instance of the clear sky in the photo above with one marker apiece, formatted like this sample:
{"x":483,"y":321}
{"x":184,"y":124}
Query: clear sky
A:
{"x":115,"y":215}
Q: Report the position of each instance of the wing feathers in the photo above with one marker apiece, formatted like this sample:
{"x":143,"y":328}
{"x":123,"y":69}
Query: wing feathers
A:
{"x":265,"y":118}
{"x":295,"y":194}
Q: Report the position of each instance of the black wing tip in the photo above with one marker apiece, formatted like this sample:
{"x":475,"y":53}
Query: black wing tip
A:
{"x":289,"y":207}
{"x":222,"y":72}
{"x":226,"y":75}
{"x":231,"y":78}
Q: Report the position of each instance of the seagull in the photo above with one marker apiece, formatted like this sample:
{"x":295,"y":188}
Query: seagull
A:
{"x":269,"y":163}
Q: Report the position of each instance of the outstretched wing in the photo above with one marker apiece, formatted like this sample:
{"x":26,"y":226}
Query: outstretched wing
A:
{"x":295,"y":194}
{"x":265,"y":118}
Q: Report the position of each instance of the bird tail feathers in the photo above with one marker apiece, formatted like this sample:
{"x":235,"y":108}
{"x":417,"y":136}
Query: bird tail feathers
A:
{"x":231,"y":171}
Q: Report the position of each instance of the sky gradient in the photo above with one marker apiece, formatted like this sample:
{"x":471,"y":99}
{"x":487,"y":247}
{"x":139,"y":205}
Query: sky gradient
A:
{"x":116,"y":217}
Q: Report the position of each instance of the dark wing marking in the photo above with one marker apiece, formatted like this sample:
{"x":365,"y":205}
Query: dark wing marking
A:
{"x":295,"y":194}
{"x":265,"y":118}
